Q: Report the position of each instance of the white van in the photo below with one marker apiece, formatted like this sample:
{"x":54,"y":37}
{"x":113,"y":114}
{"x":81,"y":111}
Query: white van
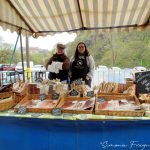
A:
{"x":19,"y":68}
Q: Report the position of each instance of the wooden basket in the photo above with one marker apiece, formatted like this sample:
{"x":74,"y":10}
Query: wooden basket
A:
{"x":145,"y":99}
{"x":6,"y":101}
{"x":6,"y":94}
{"x":35,"y":110}
{"x":120,"y":90}
{"x":18,"y":97}
{"x":119,"y":112}
{"x":63,"y":99}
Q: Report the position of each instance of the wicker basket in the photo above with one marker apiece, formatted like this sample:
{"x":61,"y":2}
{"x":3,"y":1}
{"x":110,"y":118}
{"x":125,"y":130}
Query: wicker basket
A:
{"x":6,"y":94}
{"x":35,"y":110}
{"x":6,"y":101}
{"x":121,"y":89}
{"x":63,"y":99}
{"x":18,"y":97}
{"x":145,"y":99}
{"x":119,"y":112}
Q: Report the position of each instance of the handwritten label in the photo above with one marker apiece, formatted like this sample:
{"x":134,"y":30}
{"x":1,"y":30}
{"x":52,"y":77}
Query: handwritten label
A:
{"x":90,"y":93}
{"x":56,"y":111}
{"x":22,"y":109}
{"x":55,"y":96}
{"x":78,"y":81}
{"x":74,"y":93}
{"x":143,"y":82}
{"x":42,"y":96}
{"x":101,"y":100}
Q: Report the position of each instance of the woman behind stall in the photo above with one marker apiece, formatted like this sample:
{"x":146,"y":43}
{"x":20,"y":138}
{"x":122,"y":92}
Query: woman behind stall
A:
{"x":82,"y":64}
{"x":58,"y":65}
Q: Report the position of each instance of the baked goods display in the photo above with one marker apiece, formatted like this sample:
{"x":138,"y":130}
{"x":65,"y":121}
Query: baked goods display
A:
{"x":6,"y":97}
{"x":145,"y":100}
{"x":77,"y":105}
{"x":109,"y":87}
{"x":106,"y":99}
{"x":33,"y":103}
{"x":81,"y":88}
{"x":6,"y":88}
{"x":19,"y":90}
{"x":117,"y":88}
{"x":53,"y":86}
{"x":118,"y":105}
{"x":144,"y":97}
{"x":20,"y":87}
{"x":122,"y":104}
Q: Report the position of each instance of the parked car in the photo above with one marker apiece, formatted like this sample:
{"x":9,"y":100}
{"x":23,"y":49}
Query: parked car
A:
{"x":19,"y":67}
{"x":139,"y":68}
{"x":6,"y":67}
{"x":38,"y":68}
{"x":102,"y":67}
{"x":116,"y":68}
{"x":1,"y":67}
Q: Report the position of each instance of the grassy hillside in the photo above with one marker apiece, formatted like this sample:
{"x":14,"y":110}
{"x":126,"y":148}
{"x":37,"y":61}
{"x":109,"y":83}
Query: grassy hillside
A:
{"x":121,"y":49}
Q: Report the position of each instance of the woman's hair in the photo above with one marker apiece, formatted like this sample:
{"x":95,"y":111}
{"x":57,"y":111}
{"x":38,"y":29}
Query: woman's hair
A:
{"x":86,"y":53}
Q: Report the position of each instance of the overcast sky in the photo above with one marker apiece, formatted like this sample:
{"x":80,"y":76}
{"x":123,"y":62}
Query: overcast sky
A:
{"x":47,"y":42}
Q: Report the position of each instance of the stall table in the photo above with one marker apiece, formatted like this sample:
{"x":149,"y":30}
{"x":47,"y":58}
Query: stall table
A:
{"x":73,"y":132}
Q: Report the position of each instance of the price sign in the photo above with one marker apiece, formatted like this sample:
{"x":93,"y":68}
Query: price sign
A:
{"x":90,"y":93}
{"x":78,"y":81}
{"x":42,"y":96}
{"x":22,"y":109}
{"x":56,"y":111}
{"x":55,"y":96}
{"x":74,"y":93}
{"x":143,"y":82}
{"x":101,"y":100}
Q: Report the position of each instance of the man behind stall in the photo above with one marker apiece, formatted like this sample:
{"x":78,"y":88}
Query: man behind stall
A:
{"x":58,"y":65}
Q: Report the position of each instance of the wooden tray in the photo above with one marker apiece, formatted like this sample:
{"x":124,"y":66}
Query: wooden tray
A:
{"x":30,"y":97}
{"x":119,"y":112}
{"x":63,"y":99}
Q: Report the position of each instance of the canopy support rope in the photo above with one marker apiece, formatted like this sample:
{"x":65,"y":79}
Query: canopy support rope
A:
{"x":12,"y":57}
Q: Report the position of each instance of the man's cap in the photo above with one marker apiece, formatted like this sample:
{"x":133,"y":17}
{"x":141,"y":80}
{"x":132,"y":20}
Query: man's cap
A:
{"x":61,"y":46}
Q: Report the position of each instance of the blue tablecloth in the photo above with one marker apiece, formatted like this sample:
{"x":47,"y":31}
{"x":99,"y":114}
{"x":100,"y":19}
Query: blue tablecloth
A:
{"x":23,"y":133}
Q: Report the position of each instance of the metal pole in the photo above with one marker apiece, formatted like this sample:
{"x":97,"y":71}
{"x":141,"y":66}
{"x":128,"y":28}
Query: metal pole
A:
{"x":22,"y":56}
{"x":27,"y":59}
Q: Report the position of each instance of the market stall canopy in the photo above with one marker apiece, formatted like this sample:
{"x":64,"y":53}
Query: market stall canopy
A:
{"x":39,"y":17}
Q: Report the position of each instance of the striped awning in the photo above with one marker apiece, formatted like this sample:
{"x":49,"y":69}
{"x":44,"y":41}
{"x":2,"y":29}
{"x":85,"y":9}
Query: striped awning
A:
{"x":39,"y":17}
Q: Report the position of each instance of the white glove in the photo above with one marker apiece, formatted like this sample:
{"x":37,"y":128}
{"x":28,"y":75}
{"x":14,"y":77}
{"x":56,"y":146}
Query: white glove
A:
{"x":58,"y":65}
{"x":51,"y":68}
